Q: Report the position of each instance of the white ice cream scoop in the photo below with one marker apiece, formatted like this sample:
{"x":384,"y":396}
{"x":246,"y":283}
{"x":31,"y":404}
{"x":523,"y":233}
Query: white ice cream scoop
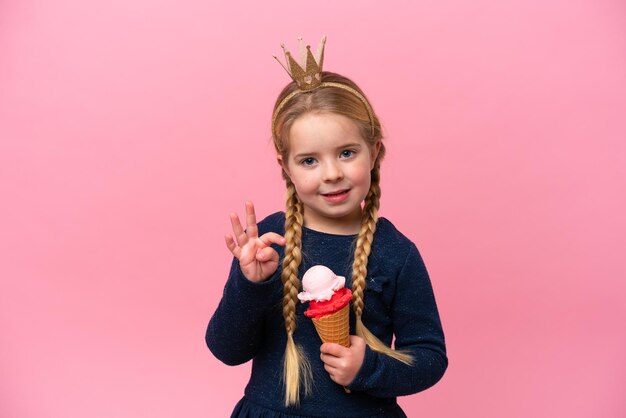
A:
{"x":319,"y":283}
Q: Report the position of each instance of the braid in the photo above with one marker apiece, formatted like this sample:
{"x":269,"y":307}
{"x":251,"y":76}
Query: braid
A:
{"x":293,"y":257}
{"x":359,"y":268}
{"x":364,"y":246}
{"x":296,"y":367}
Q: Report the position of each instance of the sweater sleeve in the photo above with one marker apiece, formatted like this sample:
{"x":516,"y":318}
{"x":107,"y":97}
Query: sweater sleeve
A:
{"x":235,"y":331}
{"x":417,"y":329}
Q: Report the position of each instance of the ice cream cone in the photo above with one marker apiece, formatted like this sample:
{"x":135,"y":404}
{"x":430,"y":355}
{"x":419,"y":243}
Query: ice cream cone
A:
{"x":334,"y":327}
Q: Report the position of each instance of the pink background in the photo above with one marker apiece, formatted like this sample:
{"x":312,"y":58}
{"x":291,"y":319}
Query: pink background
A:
{"x":129,"y":130}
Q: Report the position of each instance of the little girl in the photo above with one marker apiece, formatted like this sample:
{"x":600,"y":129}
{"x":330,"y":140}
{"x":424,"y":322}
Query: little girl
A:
{"x":329,"y":146}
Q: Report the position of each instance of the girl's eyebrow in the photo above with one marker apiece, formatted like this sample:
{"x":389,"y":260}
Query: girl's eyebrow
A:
{"x":342,"y":146}
{"x":350,"y":145}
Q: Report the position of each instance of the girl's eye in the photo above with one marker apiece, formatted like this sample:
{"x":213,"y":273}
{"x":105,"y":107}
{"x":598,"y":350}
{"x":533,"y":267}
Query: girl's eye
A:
{"x":308,"y":161}
{"x":347,"y":153}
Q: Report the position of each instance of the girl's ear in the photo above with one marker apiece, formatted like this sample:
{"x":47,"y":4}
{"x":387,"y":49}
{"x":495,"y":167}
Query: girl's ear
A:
{"x":281,"y":163}
{"x":374,"y":153}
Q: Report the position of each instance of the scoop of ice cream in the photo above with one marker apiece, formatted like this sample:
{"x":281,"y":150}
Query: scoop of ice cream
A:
{"x":341,"y":298}
{"x":319,"y":283}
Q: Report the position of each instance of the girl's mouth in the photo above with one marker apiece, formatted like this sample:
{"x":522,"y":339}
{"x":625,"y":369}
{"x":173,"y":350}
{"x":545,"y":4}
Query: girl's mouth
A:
{"x":336,"y":197}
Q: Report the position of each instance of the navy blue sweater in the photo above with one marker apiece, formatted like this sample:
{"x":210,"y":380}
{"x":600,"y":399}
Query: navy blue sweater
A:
{"x":248,"y":325}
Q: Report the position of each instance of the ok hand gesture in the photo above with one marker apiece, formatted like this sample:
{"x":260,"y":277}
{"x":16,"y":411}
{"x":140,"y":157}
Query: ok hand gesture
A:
{"x":257,"y":259}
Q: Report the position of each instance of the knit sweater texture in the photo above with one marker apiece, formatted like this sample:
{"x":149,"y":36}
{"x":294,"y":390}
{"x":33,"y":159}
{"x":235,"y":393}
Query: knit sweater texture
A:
{"x":399,"y":301}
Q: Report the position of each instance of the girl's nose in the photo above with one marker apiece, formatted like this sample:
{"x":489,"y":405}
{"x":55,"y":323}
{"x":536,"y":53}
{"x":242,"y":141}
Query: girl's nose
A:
{"x":332,"y":172}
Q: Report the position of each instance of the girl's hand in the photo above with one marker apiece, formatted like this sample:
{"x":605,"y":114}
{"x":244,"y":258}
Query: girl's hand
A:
{"x":257,"y":259}
{"x":343,"y":363}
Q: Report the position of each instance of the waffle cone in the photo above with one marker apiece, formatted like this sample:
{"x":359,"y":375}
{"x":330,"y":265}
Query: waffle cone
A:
{"x":335,"y":327}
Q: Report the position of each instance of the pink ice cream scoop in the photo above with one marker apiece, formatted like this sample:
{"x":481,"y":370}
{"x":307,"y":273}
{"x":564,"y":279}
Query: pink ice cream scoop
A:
{"x":319,"y":283}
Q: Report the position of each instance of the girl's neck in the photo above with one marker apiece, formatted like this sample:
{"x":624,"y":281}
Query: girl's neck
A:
{"x":344,"y":226}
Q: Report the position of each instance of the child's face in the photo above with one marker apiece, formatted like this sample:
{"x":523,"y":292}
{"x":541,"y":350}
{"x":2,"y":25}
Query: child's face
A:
{"x":329,"y":164}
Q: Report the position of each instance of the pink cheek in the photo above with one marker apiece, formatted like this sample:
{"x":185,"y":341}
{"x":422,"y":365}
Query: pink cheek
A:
{"x":306,"y":185}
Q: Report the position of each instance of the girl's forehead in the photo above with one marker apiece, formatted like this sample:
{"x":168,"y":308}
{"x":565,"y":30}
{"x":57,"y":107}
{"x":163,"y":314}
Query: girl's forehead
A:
{"x":323,"y":130}
{"x":324,"y":118}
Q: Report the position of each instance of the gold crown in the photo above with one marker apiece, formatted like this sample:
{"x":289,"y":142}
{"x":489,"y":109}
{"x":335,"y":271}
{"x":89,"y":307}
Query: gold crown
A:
{"x":308,"y":75}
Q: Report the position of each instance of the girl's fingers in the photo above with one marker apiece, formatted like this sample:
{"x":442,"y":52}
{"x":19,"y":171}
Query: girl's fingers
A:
{"x":251,"y":227}
{"x":330,"y":362}
{"x":335,"y":350}
{"x":265,"y":254}
{"x":232,"y":245}
{"x":239,"y":233}
{"x":270,"y":238}
{"x":331,"y":371}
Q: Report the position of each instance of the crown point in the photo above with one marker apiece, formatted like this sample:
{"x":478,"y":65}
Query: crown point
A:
{"x":307,"y":72}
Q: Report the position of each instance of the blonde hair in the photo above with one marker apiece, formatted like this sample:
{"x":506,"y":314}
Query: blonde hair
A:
{"x":297,"y":371}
